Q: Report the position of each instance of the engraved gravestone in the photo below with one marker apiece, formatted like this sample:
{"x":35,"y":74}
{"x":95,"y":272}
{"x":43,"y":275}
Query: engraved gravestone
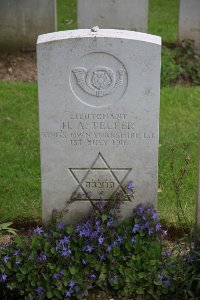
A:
{"x":117,"y":14}
{"x":21,"y":21}
{"x":99,"y":117}
{"x":189,"y":22}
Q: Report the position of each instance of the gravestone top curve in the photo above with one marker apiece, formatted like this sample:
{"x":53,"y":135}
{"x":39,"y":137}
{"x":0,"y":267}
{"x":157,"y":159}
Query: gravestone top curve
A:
{"x":109,"y":33}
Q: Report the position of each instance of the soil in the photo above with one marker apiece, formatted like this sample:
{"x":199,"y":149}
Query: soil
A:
{"x":19,"y":66}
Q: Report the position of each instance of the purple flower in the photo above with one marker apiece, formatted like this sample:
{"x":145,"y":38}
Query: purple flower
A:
{"x":102,"y":257}
{"x":158,"y":227}
{"x":92,"y":276}
{"x":160,"y":276}
{"x":101,"y":240}
{"x":66,"y":252}
{"x":88,"y":248}
{"x":109,"y":249}
{"x":130,"y":186}
{"x":72,"y":283}
{"x":68,"y":294}
{"x":150,"y":209}
{"x":57,"y":275}
{"x":146,"y":225}
{"x":84,"y":262}
{"x":83,"y":230}
{"x":38,"y":230}
{"x":167,"y":282}
{"x":65,"y":240}
{"x":94,"y":234}
{"x":133,"y":240}
{"x":42,"y":258}
{"x":17,"y":253}
{"x":40,"y":291}
{"x":61,"y":226}
{"x":139,"y":209}
{"x":18,"y":263}
{"x":136,"y":228}
{"x":6,"y":258}
{"x":109,"y":223}
{"x":155,"y":216}
{"x":98,"y":223}
{"x":114,"y":277}
{"x":119,"y":239}
{"x":3,"y":277}
{"x":150,"y":231}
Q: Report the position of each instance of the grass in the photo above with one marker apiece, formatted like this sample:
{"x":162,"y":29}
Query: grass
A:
{"x":179,"y":124}
{"x":19,"y":158}
{"x":163,"y":17}
{"x":66,"y":12}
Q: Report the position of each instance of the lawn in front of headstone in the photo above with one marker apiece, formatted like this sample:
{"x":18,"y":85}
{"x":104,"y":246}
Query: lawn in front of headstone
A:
{"x":19,"y":158}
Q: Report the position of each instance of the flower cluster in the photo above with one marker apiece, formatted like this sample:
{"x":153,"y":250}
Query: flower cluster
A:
{"x":99,"y":251}
{"x":147,"y":220}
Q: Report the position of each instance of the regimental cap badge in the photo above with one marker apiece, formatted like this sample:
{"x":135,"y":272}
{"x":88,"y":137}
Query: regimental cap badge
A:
{"x":99,"y":81}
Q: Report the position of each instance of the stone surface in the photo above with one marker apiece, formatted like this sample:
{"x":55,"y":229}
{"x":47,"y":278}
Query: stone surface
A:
{"x":118,"y":14}
{"x":21,"y":21}
{"x":99,"y":117}
{"x":189,"y":21}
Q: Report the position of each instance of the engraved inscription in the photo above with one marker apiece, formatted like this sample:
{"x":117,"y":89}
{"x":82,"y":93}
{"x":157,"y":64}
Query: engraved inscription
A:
{"x":100,"y":177}
{"x":100,"y":129}
{"x":99,"y":81}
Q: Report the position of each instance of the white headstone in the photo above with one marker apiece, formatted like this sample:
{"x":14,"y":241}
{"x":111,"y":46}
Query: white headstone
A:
{"x":21,"y":21}
{"x":117,"y":14}
{"x":189,"y":21}
{"x":99,"y":93}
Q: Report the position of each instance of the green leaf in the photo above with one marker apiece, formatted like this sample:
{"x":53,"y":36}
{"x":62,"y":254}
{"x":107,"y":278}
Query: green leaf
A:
{"x":49,"y":295}
{"x":157,"y":282}
{"x":72,"y":270}
{"x":140,"y":291}
{"x":104,"y":217}
{"x":8,"y":265}
{"x":70,"y":229}
{"x":142,"y":275}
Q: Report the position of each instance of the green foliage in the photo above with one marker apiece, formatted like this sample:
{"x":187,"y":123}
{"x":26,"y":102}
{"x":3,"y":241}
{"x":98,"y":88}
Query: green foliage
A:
{"x":180,"y":66}
{"x":6,"y":228}
{"x":179,"y":124}
{"x":68,"y":261}
{"x":169,"y":71}
{"x":189,"y":62}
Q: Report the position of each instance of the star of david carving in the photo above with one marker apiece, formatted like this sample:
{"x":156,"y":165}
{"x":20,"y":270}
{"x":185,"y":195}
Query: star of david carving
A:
{"x":99,"y":178}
